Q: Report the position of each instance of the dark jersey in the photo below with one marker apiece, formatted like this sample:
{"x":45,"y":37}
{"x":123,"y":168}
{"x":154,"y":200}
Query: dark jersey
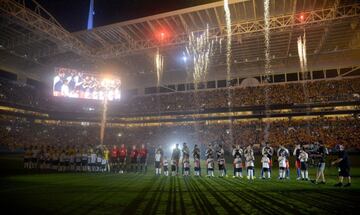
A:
{"x":176,"y":154}
{"x":322,"y":152}
{"x":344,"y":163}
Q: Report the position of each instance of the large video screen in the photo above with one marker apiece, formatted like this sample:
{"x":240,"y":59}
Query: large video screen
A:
{"x":78,"y":84}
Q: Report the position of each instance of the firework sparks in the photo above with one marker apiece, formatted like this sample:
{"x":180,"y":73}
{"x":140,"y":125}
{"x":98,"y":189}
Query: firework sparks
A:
{"x":301,"y":42}
{"x":267,"y":39}
{"x":228,"y":37}
{"x":103,"y":122}
{"x":200,"y":49}
{"x":159,"y":65}
{"x":267,"y":62}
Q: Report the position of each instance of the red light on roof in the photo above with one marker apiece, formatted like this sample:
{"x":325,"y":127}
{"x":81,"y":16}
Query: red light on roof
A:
{"x":162,"y":35}
{"x":302,"y":17}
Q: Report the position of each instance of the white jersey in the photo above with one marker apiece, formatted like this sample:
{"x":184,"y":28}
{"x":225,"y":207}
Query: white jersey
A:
{"x":250,"y":159}
{"x":93,"y":158}
{"x":165,"y":163}
{"x":103,"y":161}
{"x":157,"y":157}
{"x":265,"y":162}
{"x":238,"y":163}
{"x":303,"y":157}
{"x":210,"y":163}
{"x":186,"y":164}
{"x":282,"y":162}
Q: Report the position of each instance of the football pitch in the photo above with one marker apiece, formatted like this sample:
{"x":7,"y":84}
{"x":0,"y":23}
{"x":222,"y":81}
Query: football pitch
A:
{"x":104,"y":193}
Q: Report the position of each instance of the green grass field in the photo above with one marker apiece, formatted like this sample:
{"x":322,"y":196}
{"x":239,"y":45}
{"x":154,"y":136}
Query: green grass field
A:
{"x":85,"y":193}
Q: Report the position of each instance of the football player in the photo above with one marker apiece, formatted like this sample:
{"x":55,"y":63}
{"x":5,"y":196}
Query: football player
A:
{"x":143,"y":158}
{"x":303,"y":157}
{"x":265,"y":161}
{"x":250,"y":159}
{"x":133,"y":158}
{"x":210,"y":167}
{"x":122,"y":153}
{"x":165,"y":166}
{"x":268,"y":151}
{"x":158,"y":163}
{"x":238,"y":166}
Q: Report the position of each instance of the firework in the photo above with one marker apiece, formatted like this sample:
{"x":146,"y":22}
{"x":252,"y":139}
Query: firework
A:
{"x":267,"y":62}
{"x":159,"y":65}
{"x":228,"y":37}
{"x":200,"y":49}
{"x":103,"y":122}
{"x":267,"y":39}
{"x":301,"y":42}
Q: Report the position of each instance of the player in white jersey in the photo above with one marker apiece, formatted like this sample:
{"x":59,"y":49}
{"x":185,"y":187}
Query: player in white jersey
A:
{"x":85,"y":161}
{"x":158,"y":163}
{"x":210,"y":167}
{"x":265,"y":161}
{"x":303,"y":157}
{"x":238,"y":166}
{"x":186,"y":164}
{"x":282,"y":166}
{"x":268,"y":151}
{"x":78,"y":161}
{"x":237,"y":154}
{"x":284,"y":154}
{"x":166,"y":166}
{"x":98,"y":161}
{"x":92,"y":160}
{"x":249,"y":161}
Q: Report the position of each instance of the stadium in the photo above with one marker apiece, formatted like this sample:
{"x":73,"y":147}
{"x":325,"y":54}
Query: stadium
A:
{"x":179,"y":107}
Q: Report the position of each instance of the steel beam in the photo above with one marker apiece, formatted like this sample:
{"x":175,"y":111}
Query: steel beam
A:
{"x":277,"y":23}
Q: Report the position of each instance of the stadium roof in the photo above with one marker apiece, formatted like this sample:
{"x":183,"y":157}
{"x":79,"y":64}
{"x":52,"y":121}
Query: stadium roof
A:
{"x":30,"y":33}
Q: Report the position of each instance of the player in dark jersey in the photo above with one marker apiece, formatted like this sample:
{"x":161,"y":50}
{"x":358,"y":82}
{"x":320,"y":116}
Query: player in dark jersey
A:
{"x":209,"y":154}
{"x":196,"y":156}
{"x":114,"y":159}
{"x":133,"y":159}
{"x":122,"y":158}
{"x":185,"y":155}
{"x":343,"y":163}
{"x":143,"y":158}
{"x":176,"y":157}
{"x":322,"y":152}
{"x":296,"y":153}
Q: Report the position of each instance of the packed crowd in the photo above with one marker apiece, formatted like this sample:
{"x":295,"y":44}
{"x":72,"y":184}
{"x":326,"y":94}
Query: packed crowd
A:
{"x":289,"y":93}
{"x":332,"y":131}
{"x":23,"y":94}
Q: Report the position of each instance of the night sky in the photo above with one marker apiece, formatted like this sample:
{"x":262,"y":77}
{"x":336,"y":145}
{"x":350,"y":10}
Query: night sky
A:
{"x":72,"y":14}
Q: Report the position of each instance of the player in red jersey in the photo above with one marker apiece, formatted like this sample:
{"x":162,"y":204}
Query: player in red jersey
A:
{"x":114,"y":159}
{"x":133,"y":158}
{"x":122,"y":158}
{"x":142,"y":158}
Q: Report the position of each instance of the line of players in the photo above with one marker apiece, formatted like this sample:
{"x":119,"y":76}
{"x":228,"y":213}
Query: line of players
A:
{"x":87,"y":159}
{"x":100,"y":159}
{"x":138,"y":159}
{"x":247,"y":155}
{"x":67,"y":159}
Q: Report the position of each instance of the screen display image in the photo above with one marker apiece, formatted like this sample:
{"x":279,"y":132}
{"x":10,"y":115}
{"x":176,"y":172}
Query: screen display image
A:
{"x":78,"y":84}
